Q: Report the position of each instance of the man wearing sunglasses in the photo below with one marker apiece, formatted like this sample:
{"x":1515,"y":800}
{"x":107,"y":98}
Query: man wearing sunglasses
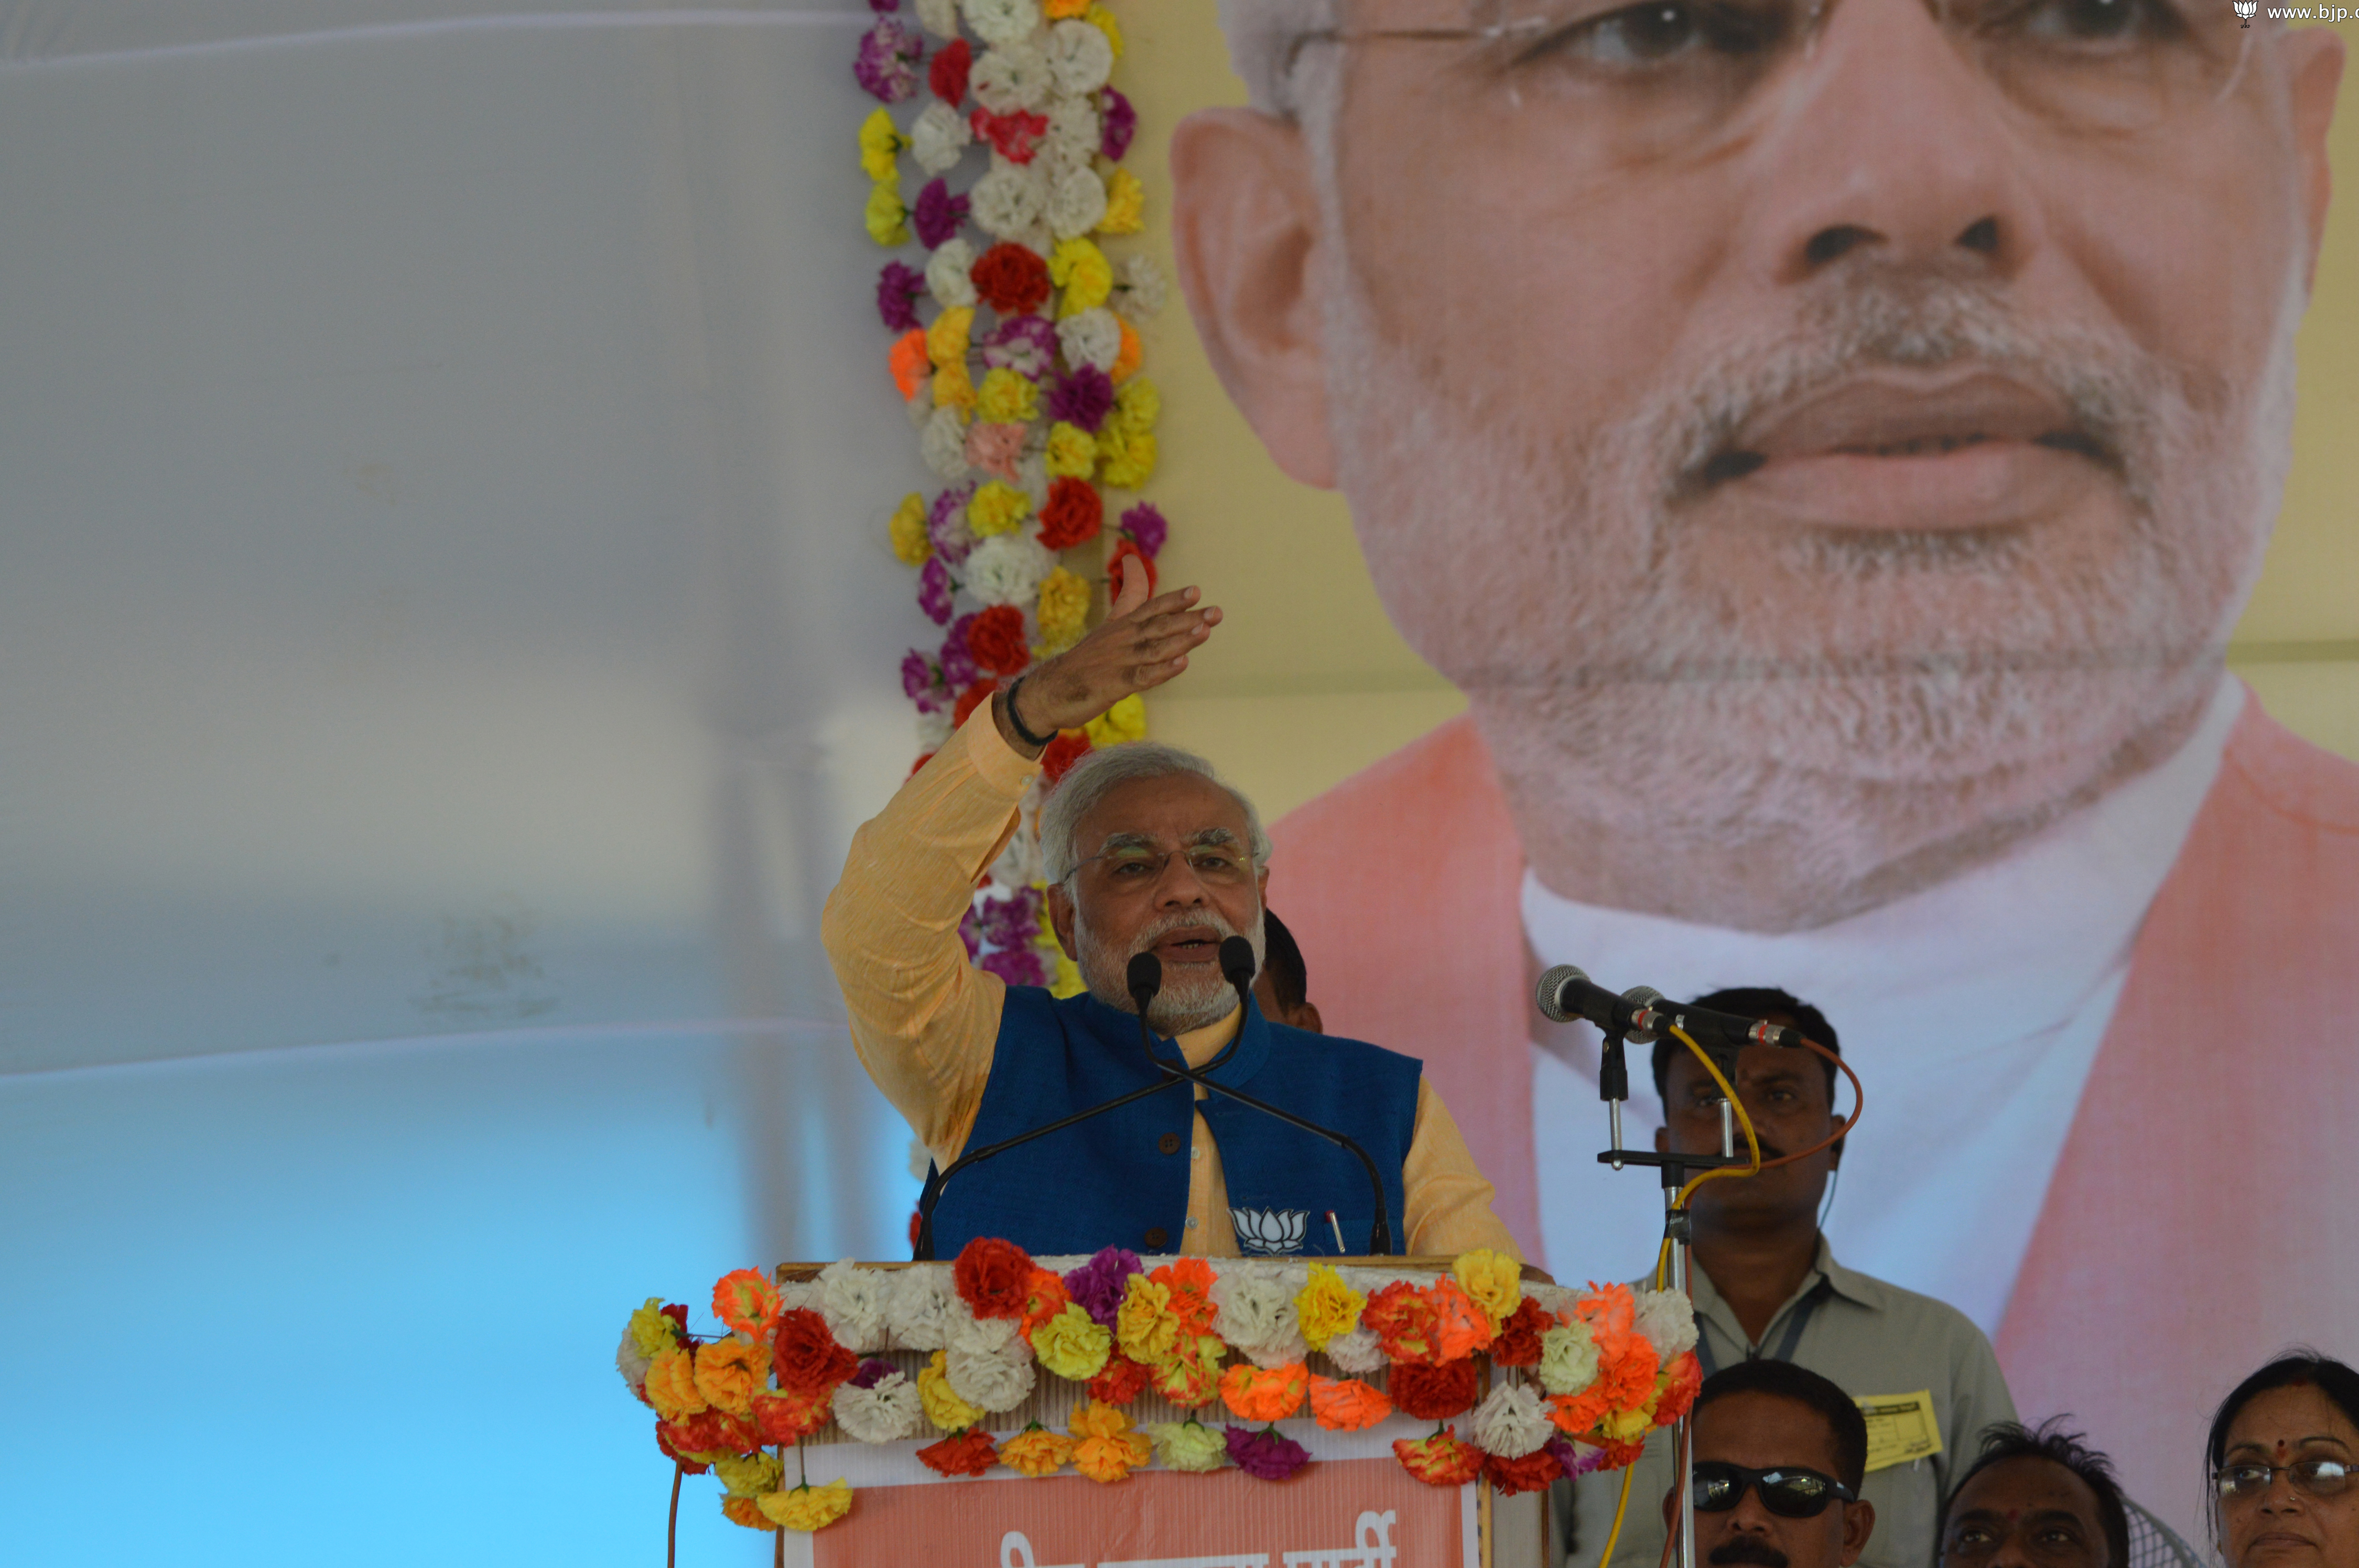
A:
{"x":1143,"y":850}
{"x":1779,"y":1453}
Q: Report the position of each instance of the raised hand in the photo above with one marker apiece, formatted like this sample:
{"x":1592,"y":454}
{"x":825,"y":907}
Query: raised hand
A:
{"x":1141,"y":644}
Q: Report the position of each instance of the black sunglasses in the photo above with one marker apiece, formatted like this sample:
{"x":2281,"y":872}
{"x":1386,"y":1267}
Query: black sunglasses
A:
{"x":1788,"y":1490}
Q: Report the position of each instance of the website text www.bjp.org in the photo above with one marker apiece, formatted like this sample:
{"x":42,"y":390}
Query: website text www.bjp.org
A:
{"x":2312,"y":12}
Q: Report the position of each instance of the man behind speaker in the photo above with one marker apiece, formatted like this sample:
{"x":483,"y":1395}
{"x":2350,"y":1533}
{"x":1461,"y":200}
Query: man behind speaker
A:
{"x":1767,"y":1286}
{"x":1143,"y":851}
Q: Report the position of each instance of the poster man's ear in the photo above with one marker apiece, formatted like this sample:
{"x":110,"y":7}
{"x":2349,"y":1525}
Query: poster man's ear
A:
{"x":1246,"y":229}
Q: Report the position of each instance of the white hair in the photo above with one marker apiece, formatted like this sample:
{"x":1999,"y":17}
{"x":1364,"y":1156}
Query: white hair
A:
{"x":1098,"y":773}
{"x":1265,"y":37}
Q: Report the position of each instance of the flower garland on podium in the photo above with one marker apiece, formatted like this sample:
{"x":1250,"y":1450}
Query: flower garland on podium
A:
{"x":1579,"y":1378}
{"x":1017,"y":352}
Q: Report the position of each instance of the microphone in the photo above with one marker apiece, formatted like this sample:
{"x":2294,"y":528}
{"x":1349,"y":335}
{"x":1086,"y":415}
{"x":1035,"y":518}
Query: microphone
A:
{"x":1566,"y":993}
{"x":1237,"y":965}
{"x":1145,"y":979}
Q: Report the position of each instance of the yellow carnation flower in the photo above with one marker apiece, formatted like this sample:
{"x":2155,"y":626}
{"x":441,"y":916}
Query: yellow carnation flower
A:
{"x":729,"y":1371}
{"x":1125,"y":721}
{"x":1064,"y":609}
{"x":1144,"y":1325}
{"x":997,"y":509}
{"x":954,"y":389}
{"x":1327,"y":1306}
{"x":749,"y":1475}
{"x":1072,"y":1345}
{"x":1082,"y":270}
{"x":946,"y":339}
{"x":943,"y":1407}
{"x":887,"y":220}
{"x":1627,"y":1426}
{"x":651,"y":1330}
{"x":808,"y":1508}
{"x":1129,"y":457}
{"x":879,"y":144}
{"x":1037,"y":1451}
{"x":1495,"y":1280}
{"x":1101,"y":18}
{"x":671,"y":1384}
{"x":1007,"y":398}
{"x":1137,"y":407}
{"x":1067,"y":981}
{"x":1072,"y":451}
{"x":911,"y":542}
{"x":1106,"y":1449}
{"x":1125,"y":210}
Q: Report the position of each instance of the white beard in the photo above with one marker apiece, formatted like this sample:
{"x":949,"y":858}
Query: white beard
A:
{"x":1187,"y":1000}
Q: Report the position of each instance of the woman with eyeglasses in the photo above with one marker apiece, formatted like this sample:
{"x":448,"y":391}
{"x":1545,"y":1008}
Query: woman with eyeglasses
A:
{"x":2283,"y":1450}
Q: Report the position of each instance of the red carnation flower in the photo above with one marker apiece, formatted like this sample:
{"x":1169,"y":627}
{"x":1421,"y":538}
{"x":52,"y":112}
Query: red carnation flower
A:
{"x":993,"y":1277}
{"x":1535,"y":1472}
{"x":712,"y":1431}
{"x":971,"y":1452}
{"x":1120,"y":1380}
{"x":1073,"y":514}
{"x":1069,"y":747}
{"x":970,"y":700}
{"x":1519,"y":1344}
{"x":1125,"y":552}
{"x":1432,"y":1393}
{"x":804,"y":1354}
{"x":995,"y":638}
{"x":673,"y":1452}
{"x":789,"y":1418}
{"x":1014,"y":135}
{"x":947,"y":75}
{"x":923,"y":758}
{"x":1012,"y":278}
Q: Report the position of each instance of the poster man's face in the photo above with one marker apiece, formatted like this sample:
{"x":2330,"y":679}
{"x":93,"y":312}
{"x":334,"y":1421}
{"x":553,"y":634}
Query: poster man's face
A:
{"x":1902,"y":397}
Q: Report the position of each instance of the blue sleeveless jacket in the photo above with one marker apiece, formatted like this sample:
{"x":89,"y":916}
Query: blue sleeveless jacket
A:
{"x":1121,"y":1179}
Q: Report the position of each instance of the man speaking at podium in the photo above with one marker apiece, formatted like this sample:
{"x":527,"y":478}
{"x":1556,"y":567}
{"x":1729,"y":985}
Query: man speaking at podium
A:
{"x":1145,"y":852}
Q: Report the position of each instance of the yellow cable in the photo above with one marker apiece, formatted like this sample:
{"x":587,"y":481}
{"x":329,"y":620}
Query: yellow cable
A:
{"x":1616,"y":1533}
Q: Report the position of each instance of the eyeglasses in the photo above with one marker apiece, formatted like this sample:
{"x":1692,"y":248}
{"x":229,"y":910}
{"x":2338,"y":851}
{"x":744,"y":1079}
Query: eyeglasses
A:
{"x":1624,"y":85}
{"x":1142,"y":865}
{"x":1789,"y":1491}
{"x":2318,"y":1477}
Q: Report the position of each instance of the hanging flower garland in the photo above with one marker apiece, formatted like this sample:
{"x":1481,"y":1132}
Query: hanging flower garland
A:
{"x":1017,"y":352}
{"x":1578,"y":1379}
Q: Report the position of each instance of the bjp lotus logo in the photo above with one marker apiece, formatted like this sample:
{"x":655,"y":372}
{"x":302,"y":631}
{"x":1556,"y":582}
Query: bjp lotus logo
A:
{"x":2245,"y":10}
{"x":1271,"y":1232}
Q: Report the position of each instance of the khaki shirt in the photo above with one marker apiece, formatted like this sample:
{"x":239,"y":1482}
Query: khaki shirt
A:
{"x":1870,"y":1338}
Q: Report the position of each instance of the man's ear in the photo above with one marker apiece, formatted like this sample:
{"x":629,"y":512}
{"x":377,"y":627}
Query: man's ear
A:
{"x":1662,"y":1141}
{"x":1245,"y":229}
{"x":1061,"y":918}
{"x":1306,"y":1018}
{"x":2314,"y":77}
{"x":1859,"y":1523}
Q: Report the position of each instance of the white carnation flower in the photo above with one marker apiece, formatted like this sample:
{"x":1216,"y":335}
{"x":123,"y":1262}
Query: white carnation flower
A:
{"x":886,"y":1414}
{"x":947,"y":274}
{"x":921,"y":406}
{"x":1568,"y":1358}
{"x":1091,"y":338}
{"x":938,"y":137}
{"x":934,"y":733}
{"x":631,"y":1364}
{"x":1032,"y":479}
{"x":943,"y":444}
{"x":924,"y":1308}
{"x":1009,"y":200}
{"x":1141,"y":291}
{"x":1018,"y":865}
{"x":1258,"y":1317}
{"x":999,"y":22}
{"x":853,"y":1300}
{"x":1511,"y":1422}
{"x":1015,"y":76}
{"x":1074,"y":133}
{"x":1358,"y":1353}
{"x":1668,"y":1322}
{"x":797,"y":1295}
{"x":939,"y":17}
{"x":1077,"y":201}
{"x":1081,"y":56}
{"x":990,"y":1369}
{"x":1002,"y":1336}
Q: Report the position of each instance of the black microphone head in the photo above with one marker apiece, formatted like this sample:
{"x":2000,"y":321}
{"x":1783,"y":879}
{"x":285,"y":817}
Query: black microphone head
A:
{"x":1550,"y":993}
{"x":1237,"y":961}
{"x":1146,"y":978}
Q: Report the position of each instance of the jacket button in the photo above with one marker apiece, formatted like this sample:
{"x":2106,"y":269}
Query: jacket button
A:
{"x":1168,"y":1143}
{"x":1157,"y":1238}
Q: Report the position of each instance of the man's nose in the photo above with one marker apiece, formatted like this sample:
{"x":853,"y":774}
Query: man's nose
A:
{"x":1180,"y":887}
{"x":1750,"y":1517}
{"x":1891,"y":145}
{"x":2013,"y":1552}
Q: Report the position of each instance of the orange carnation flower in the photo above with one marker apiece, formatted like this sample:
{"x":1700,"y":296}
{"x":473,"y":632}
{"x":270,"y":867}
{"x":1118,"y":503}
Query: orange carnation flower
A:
{"x":789,"y":1418}
{"x":1441,"y":1460}
{"x":1105,"y":1448}
{"x":729,"y":1371}
{"x":746,"y":1301}
{"x":746,"y":1511}
{"x":909,"y":362}
{"x":1253,"y":1394}
{"x":671,"y":1383}
{"x":971,"y":1452}
{"x":1681,"y":1382}
{"x":1189,"y":1380}
{"x":1190,"y":1280}
{"x":1460,"y":1326}
{"x":1576,"y":1415}
{"x":1043,"y":1297}
{"x":1037,"y":1451}
{"x":1401,"y":1317}
{"x":1628,"y":1374}
{"x":1347,"y":1404}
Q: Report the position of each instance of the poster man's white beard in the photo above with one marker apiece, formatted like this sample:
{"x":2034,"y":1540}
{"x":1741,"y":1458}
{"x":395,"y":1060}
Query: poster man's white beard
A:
{"x":1190,"y":998}
{"x":1542,"y":570}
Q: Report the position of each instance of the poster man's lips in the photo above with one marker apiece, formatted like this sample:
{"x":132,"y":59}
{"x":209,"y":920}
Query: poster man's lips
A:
{"x":1188,"y":945}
